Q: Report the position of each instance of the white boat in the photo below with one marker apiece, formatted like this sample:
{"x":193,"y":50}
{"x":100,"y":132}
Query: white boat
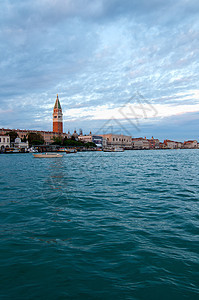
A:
{"x":107,"y":150}
{"x":47,"y":155}
{"x":115,"y":149}
{"x":118,"y":149}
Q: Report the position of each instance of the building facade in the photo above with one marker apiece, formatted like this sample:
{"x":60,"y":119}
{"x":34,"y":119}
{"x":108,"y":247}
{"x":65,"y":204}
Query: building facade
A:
{"x":97,"y":139}
{"x":168,"y":144}
{"x":154,"y":143}
{"x":4,"y":142}
{"x":85,"y":138}
{"x":191,"y":144}
{"x":48,"y":136}
{"x":140,"y":143}
{"x":118,"y":140}
{"x":57,"y":117}
{"x":19,"y":145}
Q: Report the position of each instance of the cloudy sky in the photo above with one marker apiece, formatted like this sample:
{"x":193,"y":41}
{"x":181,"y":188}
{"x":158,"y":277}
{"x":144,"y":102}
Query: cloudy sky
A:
{"x":129,"y":66}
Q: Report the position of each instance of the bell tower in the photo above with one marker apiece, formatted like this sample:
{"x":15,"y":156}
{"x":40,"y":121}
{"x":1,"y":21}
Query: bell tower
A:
{"x":57,"y":117}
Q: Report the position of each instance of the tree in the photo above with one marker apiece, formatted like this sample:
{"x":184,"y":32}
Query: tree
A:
{"x":35,"y":139}
{"x":57,"y":140}
{"x":90,"y":145}
{"x":73,"y":143}
{"x":24,"y":139}
{"x":37,"y":142}
{"x":13,"y":135}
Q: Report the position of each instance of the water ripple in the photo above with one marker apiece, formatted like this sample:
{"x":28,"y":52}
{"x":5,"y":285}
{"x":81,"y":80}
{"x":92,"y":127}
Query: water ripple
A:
{"x":100,"y":225}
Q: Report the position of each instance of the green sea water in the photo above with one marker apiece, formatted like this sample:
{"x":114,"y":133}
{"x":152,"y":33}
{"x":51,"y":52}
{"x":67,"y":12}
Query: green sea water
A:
{"x":98,"y":225}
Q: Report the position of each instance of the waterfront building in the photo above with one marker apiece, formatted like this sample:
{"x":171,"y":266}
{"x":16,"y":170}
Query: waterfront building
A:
{"x":180,"y":145}
{"x":168,"y":144}
{"x":19,"y":145}
{"x":4,"y":142}
{"x":75,"y":135}
{"x":154,"y":143}
{"x":140,"y":143}
{"x":57,"y":117}
{"x":190,"y":144}
{"x":97,"y":139}
{"x":48,"y":136}
{"x":118,"y":140}
{"x":85,"y":138}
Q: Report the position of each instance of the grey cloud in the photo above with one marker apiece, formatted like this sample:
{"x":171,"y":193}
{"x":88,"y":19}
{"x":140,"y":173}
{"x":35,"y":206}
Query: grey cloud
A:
{"x":27,"y":13}
{"x":94,"y":53}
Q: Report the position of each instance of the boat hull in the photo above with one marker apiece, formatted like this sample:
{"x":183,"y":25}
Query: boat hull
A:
{"x":48,"y":155}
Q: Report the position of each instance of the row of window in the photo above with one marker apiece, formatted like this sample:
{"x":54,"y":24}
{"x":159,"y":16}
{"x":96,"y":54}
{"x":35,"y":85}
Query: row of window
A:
{"x":3,"y":140}
{"x":118,"y":139}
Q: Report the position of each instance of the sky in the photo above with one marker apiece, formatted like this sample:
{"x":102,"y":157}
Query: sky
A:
{"x":129,"y":66}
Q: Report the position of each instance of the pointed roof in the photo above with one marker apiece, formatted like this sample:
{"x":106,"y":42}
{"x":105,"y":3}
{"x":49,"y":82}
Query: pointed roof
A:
{"x":57,"y":103}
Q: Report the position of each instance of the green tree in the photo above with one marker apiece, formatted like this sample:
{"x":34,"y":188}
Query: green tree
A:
{"x":24,"y":139}
{"x":37,"y":142}
{"x":13,"y":135}
{"x":35,"y":139}
{"x":90,"y":145}
{"x":58,"y":140}
{"x":73,"y":143}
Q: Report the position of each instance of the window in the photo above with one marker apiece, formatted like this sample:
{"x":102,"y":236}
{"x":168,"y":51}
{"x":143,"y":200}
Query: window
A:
{"x":0,"y":140}
{"x":113,"y":139}
{"x":7,"y":140}
{"x":4,"y":140}
{"x":55,"y":117}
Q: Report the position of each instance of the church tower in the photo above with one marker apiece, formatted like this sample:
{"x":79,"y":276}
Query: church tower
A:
{"x":57,"y":117}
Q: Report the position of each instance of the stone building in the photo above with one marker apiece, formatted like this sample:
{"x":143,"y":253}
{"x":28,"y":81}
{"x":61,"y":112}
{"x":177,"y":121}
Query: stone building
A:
{"x":154,"y":143}
{"x":118,"y":140}
{"x":47,"y":135}
{"x":19,"y":145}
{"x":190,"y":144}
{"x":97,"y":139}
{"x":4,"y":142}
{"x":170,"y":144}
{"x":140,"y":143}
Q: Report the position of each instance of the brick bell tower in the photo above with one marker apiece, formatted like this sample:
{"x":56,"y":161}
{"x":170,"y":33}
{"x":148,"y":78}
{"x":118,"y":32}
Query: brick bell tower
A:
{"x":57,"y":117}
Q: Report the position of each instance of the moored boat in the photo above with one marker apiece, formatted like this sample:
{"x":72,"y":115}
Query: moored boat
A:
{"x":71,"y":150}
{"x":115,"y":149}
{"x":107,"y":150}
{"x":47,"y":155}
{"x":118,"y":149}
{"x":61,"y":150}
